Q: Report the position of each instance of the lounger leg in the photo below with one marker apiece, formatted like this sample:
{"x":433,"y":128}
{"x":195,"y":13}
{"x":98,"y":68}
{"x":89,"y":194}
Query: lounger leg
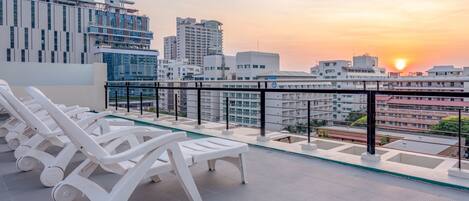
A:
{"x":32,"y":143}
{"x":211,"y":165}
{"x":242,"y":165}
{"x":155,"y":179}
{"x":54,"y":172}
{"x":183,"y":174}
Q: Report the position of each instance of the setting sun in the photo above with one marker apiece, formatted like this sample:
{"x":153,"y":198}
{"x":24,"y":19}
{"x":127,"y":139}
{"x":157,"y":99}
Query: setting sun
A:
{"x":400,"y":64}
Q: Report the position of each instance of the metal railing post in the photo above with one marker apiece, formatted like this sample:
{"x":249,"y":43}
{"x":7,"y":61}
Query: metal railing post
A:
{"x":227,"y":113}
{"x":364,"y":85}
{"x":459,"y":138}
{"x":309,"y":121}
{"x":106,"y":95}
{"x":157,"y":100}
{"x":371,"y":122}
{"x":199,"y":110}
{"x":176,"y":106}
{"x":262,"y":111}
{"x":141,"y":103}
{"x":128,"y":96}
{"x":115,"y":95}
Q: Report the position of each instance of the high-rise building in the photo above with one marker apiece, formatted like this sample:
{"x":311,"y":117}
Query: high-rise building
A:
{"x":170,"y":47}
{"x":197,"y":40}
{"x":80,"y":32}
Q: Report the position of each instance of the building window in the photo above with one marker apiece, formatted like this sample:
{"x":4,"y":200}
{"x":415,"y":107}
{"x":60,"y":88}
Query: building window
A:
{"x":56,"y":41}
{"x":39,"y":56}
{"x":90,"y":15}
{"x":85,"y":43}
{"x":26,"y":38}
{"x":65,"y":57}
{"x":33,"y":14}
{"x":79,"y":20}
{"x":82,"y":58}
{"x":67,"y":40}
{"x":8,"y":55}
{"x":43,"y":39}
{"x":15,"y":13}
{"x":64,"y":18}
{"x":12,"y":37}
{"x":1,"y":12}
{"x":52,"y":57}
{"x":23,"y":55}
{"x":49,"y":16}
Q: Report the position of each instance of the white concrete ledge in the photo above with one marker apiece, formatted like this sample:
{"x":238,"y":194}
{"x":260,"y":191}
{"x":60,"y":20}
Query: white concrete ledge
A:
{"x":460,"y":173}
{"x":263,"y":139}
{"x":227,"y":132}
{"x":309,"y":147}
{"x":199,"y":127}
{"x":371,"y":158}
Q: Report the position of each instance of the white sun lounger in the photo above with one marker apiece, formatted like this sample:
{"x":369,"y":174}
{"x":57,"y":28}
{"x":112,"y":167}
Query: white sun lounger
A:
{"x":15,"y":131}
{"x":144,"y":158}
{"x":34,"y":150}
{"x":193,"y":152}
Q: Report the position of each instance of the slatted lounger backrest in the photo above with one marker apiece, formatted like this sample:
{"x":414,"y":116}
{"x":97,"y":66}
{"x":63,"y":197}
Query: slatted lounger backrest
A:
{"x":77,"y":135}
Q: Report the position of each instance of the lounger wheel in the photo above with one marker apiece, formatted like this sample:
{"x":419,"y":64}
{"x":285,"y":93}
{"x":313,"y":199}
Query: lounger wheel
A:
{"x":20,"y":151}
{"x":51,"y":176}
{"x":13,"y":144}
{"x":26,"y":163}
{"x":64,"y":192}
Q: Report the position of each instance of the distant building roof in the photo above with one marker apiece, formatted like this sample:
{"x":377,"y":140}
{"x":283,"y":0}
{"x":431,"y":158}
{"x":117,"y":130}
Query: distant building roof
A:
{"x":444,"y":69}
{"x":287,"y":73}
{"x":409,"y":142}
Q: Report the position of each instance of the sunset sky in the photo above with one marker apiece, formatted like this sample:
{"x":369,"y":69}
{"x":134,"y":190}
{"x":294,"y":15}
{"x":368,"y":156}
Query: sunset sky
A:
{"x":423,"y":32}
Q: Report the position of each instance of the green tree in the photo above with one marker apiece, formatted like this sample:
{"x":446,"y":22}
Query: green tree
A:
{"x":354,"y":116}
{"x":450,"y":126}
{"x":360,"y":122}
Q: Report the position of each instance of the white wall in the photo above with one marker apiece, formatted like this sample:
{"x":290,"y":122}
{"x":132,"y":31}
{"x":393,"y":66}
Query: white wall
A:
{"x":70,"y":84}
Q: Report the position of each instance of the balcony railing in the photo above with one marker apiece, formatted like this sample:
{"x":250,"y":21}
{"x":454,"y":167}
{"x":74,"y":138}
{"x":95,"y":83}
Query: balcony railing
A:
{"x":305,"y":110}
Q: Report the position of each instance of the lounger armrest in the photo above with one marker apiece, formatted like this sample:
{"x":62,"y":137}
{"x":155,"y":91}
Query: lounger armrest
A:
{"x":77,"y":111}
{"x":34,"y":107}
{"x":143,"y":148}
{"x":69,"y":108}
{"x":52,"y":134}
{"x":92,"y":118}
{"x":132,"y":131}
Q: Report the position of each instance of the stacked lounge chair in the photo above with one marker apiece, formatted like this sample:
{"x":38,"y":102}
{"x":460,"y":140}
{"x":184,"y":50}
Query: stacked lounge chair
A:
{"x":134,"y":152}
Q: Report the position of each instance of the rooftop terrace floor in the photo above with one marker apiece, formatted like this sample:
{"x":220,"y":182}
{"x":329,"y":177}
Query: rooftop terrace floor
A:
{"x":273,"y":176}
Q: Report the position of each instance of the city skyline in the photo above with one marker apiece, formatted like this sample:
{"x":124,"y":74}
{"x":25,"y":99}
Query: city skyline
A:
{"x":389,"y":30}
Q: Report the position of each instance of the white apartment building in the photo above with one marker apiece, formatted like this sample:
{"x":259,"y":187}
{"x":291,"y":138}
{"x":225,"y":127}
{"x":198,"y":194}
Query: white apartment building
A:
{"x":216,"y":67}
{"x":447,"y":70}
{"x":244,"y":69}
{"x":290,"y":109}
{"x":197,"y":40}
{"x":174,"y":70}
{"x":170,"y":47}
{"x":364,"y":67}
{"x":410,"y":113}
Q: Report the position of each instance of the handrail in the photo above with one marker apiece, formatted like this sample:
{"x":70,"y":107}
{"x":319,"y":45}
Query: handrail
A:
{"x":368,"y":80}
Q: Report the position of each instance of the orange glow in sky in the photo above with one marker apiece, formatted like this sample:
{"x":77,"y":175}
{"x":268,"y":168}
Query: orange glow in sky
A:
{"x":303,"y":32}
